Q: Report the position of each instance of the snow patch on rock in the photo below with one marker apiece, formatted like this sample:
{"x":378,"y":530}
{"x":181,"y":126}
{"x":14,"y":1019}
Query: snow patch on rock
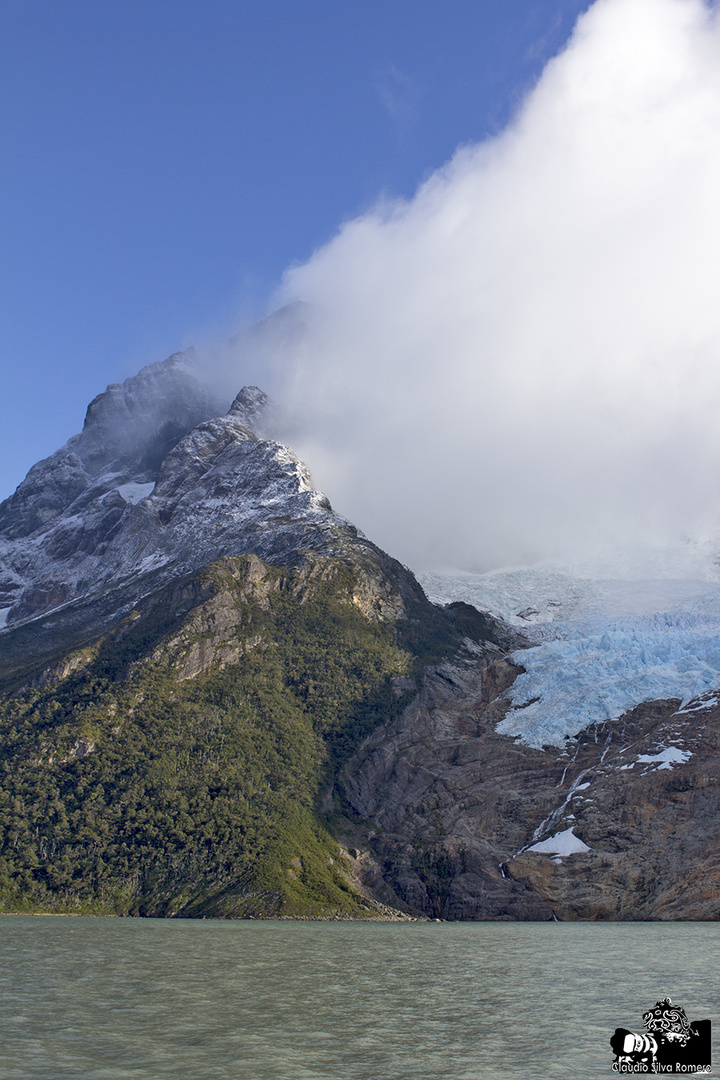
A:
{"x":665,"y":759}
{"x":561,"y":844}
{"x":134,"y":493}
{"x":702,"y":703}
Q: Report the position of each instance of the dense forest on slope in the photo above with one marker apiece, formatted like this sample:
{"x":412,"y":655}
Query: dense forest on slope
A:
{"x":177,"y":765}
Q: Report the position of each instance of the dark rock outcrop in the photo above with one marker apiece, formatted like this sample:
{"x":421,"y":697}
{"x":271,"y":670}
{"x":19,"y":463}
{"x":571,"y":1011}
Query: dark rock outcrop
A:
{"x":443,"y":811}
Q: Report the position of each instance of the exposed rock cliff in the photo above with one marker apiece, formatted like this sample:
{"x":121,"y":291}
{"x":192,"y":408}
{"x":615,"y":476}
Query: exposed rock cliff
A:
{"x":454,"y":819}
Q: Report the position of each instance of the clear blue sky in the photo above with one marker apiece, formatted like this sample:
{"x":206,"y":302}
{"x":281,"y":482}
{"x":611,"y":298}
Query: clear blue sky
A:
{"x":165,"y":160}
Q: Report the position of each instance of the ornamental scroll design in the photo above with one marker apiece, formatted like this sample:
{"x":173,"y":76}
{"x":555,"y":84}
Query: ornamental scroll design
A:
{"x":670,"y":1019}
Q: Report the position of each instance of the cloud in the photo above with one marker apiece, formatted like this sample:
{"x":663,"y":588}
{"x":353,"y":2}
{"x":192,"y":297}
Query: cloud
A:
{"x":524,"y":359}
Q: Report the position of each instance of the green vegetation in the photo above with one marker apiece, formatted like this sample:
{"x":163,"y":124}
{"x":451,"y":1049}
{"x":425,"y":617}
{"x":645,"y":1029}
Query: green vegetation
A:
{"x":179,"y":768}
{"x":125,"y":788}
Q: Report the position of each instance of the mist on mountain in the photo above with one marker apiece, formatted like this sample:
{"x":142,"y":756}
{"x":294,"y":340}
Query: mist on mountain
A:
{"x":521,"y":361}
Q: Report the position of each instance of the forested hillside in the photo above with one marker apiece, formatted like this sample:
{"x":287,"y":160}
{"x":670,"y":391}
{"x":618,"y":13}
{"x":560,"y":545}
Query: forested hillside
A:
{"x":177,"y":766}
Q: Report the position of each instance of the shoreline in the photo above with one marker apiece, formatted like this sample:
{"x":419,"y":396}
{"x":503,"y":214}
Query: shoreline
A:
{"x":219,"y":918}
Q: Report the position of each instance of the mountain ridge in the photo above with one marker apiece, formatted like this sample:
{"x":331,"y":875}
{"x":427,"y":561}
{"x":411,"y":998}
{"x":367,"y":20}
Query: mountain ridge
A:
{"x":156,"y":485}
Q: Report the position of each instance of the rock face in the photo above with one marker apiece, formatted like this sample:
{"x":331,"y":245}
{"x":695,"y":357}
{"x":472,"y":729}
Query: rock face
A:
{"x":156,"y":485}
{"x":444,"y":813}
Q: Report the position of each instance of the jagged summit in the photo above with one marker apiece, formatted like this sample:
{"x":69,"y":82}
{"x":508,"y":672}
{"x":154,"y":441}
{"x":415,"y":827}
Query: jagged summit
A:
{"x":249,"y":406}
{"x":161,"y":480}
{"x":128,"y":430}
{"x":136,"y":422}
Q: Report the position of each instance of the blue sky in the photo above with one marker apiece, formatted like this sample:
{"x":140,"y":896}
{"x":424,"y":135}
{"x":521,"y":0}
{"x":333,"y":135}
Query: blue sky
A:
{"x":165,"y":161}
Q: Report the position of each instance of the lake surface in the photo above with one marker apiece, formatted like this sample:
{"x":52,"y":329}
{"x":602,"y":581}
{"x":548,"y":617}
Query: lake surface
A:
{"x":105,"y":999}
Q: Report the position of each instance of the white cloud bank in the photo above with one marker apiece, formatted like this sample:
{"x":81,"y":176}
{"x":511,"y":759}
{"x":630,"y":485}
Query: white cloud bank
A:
{"x":525,"y":358}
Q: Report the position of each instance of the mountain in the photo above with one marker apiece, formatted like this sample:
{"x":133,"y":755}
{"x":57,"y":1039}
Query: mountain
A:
{"x":161,"y":481}
{"x":218,"y":698}
{"x":194,"y":643}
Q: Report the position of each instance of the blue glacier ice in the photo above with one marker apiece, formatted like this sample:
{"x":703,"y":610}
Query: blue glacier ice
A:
{"x":598,"y":646}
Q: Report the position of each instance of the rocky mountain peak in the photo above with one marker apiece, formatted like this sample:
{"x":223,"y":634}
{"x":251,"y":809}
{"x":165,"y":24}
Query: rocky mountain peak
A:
{"x":161,"y":480}
{"x":249,"y":406}
{"x":128,"y":430}
{"x":136,"y":422}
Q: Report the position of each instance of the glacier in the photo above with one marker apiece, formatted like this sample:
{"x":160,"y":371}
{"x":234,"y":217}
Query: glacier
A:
{"x":597,"y":646}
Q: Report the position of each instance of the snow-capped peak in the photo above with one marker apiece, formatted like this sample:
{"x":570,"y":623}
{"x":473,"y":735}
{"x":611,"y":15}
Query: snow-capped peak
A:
{"x":161,"y":480}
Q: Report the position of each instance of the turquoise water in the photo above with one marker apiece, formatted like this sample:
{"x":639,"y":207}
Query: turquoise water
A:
{"x":105,"y":999}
